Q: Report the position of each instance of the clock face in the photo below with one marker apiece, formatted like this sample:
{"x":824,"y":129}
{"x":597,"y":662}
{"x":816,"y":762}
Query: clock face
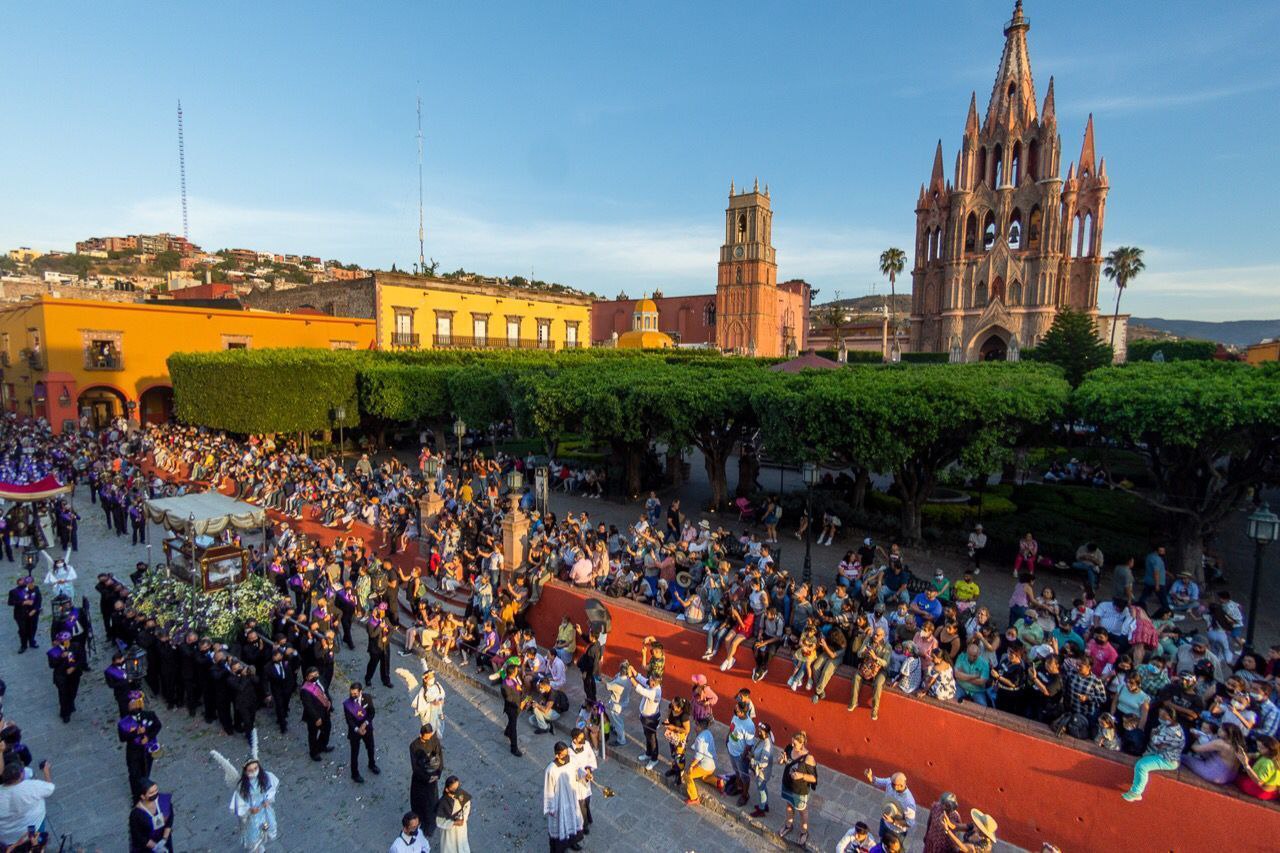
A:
{"x":739,"y":252}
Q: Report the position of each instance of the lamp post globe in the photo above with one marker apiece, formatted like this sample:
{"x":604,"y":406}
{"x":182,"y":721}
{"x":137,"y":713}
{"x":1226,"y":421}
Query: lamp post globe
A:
{"x":1263,"y":529}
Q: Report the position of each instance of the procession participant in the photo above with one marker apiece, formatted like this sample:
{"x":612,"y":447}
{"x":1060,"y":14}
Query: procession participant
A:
{"x":151,"y":820}
{"x":428,"y":703}
{"x":253,"y":802}
{"x":67,"y":665}
{"x":25,"y":601}
{"x":345,"y":601}
{"x":317,"y":710}
{"x":379,"y":646}
{"x":282,"y":682}
{"x":582,"y":756}
{"x":138,"y":731}
{"x":411,"y":838}
{"x":118,"y":680}
{"x":426,"y":761}
{"x":61,"y":579}
{"x":560,"y":803}
{"x":359,"y":712}
{"x":451,"y":817}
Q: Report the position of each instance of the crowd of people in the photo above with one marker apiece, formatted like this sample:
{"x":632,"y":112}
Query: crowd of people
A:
{"x":1099,"y":669}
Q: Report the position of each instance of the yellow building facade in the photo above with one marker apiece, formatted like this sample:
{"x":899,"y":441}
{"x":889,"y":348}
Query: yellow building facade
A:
{"x":64,"y":359}
{"x":426,"y":313}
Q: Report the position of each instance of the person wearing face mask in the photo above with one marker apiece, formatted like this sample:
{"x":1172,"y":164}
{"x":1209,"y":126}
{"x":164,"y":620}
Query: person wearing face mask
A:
{"x":411,"y":838}
{"x":151,"y":820}
{"x":253,"y":802}
{"x":451,"y":817}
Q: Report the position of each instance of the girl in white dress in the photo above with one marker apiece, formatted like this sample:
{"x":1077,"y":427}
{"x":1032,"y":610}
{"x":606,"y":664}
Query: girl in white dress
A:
{"x":452,"y":816}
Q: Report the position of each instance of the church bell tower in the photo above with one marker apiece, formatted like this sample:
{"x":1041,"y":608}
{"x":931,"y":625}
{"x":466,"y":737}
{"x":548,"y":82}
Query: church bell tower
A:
{"x":747,"y":320}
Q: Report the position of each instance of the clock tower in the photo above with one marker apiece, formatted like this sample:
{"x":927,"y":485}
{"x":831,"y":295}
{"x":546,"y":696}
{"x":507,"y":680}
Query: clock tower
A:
{"x":747,"y":305}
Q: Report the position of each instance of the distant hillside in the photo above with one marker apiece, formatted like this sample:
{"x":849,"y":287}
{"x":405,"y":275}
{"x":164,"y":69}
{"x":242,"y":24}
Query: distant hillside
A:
{"x":1230,"y":332}
{"x":868,"y":304}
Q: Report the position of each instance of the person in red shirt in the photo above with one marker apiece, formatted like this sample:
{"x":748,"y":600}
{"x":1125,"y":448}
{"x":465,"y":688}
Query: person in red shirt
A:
{"x":744,"y":626}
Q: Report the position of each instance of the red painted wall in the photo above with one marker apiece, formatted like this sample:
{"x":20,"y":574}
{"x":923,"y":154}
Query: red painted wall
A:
{"x":1036,"y":786}
{"x":682,"y":317}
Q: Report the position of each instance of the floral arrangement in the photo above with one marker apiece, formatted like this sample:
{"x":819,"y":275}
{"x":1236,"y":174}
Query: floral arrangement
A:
{"x":218,"y":614}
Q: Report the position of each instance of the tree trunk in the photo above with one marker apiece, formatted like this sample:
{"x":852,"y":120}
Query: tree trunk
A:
{"x":632,"y":457}
{"x":748,"y":473}
{"x":861,"y":482}
{"x":715,"y":462}
{"x":674,"y":458}
{"x":909,"y":522}
{"x":1188,"y":547}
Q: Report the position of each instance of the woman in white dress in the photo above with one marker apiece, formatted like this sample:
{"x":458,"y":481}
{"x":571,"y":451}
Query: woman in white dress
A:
{"x":253,"y":802}
{"x":452,"y":815}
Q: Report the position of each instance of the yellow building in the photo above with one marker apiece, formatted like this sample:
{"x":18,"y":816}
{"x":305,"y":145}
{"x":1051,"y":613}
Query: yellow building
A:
{"x":1265,"y":351}
{"x":24,"y":255}
{"x":644,"y":332}
{"x":66,"y":358}
{"x":416,"y":312}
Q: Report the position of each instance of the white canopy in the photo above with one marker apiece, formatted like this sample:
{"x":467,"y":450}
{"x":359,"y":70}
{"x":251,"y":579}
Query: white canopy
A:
{"x":204,"y":513}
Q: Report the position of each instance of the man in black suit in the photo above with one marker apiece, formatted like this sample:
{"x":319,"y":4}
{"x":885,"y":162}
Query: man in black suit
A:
{"x":317,"y":714}
{"x":282,"y":683}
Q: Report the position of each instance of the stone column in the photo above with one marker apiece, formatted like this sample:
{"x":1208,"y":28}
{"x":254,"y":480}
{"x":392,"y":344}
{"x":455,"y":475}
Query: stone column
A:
{"x":515,"y":530}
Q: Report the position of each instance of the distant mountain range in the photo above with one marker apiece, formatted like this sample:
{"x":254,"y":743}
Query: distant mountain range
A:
{"x":1229,"y":332}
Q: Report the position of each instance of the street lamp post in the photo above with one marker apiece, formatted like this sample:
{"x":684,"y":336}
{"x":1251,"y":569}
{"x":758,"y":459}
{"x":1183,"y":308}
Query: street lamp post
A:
{"x":459,"y":429}
{"x":1264,"y":528}
{"x":340,"y":415}
{"x":810,"y":473}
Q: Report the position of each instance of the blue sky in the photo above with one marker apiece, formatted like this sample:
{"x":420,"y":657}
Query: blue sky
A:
{"x":593,"y":143}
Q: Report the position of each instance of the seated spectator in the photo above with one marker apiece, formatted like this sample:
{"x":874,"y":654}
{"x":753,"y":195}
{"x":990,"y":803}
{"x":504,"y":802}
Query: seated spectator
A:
{"x":1089,"y":560}
{"x":973,"y":676}
{"x":1261,"y":779}
{"x":1215,"y":757}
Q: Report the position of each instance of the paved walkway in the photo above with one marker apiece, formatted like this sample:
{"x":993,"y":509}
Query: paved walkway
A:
{"x":319,"y":807}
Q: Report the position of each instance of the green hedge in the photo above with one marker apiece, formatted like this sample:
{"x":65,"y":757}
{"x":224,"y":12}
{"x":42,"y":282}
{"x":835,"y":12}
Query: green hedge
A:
{"x":948,"y":515}
{"x":1172,"y":350}
{"x":265,"y":390}
{"x":926,"y":358}
{"x":1062,"y":518}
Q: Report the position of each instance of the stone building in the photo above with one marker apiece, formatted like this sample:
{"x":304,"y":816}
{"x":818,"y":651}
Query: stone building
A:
{"x":1005,"y":242}
{"x":750,"y":313}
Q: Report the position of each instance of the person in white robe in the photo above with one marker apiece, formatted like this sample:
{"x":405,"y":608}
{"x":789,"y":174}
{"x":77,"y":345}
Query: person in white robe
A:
{"x":582,"y":758}
{"x":428,"y":704}
{"x":452,"y":815}
{"x":560,"y":802}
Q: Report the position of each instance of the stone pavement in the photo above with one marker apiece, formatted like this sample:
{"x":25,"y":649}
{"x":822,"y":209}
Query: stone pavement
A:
{"x":319,"y":807}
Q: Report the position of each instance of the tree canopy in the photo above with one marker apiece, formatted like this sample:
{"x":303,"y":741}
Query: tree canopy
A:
{"x":1210,"y":432}
{"x":1072,"y":344}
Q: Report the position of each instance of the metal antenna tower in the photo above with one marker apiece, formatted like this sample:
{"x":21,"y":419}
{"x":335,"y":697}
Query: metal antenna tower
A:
{"x":422,"y":251}
{"x":182,"y":174}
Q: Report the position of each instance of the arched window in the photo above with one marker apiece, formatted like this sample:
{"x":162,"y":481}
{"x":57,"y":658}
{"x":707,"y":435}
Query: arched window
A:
{"x":937,"y":245}
{"x":997,"y":166}
{"x":1034,"y":225}
{"x":1015,"y":168}
{"x":1015,"y":293}
{"x":980,"y":295}
{"x":971,"y":232}
{"x":742,"y":226}
{"x":989,"y":231}
{"x":1014,"y":234}
{"x":1033,"y":160}
{"x":709,"y":314}
{"x":1084,"y":225}
{"x":997,"y":289}
{"x":981,"y":177}
{"x":1090,"y":225}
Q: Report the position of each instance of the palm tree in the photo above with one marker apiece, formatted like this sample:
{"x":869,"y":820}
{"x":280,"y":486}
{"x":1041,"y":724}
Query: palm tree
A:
{"x":1122,"y":265}
{"x":892,"y":262}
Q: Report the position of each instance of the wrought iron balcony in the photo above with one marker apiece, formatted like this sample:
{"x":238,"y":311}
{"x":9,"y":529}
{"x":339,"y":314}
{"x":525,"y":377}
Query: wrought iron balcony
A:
{"x":404,"y":339}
